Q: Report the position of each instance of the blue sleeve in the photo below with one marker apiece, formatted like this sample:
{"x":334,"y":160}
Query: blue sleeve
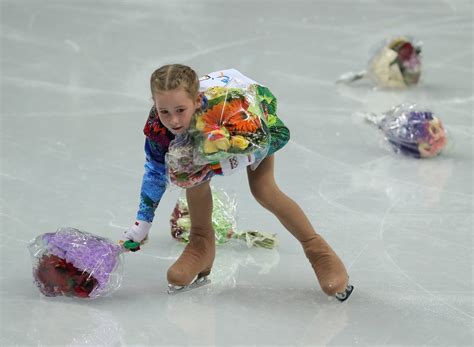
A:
{"x":154,"y":181}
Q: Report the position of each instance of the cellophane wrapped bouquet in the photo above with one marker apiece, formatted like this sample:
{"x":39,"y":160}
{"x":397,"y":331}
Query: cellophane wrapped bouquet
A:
{"x":412,"y":130}
{"x":232,"y":123}
{"x":183,"y":168}
{"x":232,"y":126}
{"x":223,"y":221}
{"x":395,"y":63}
{"x":74,"y":263}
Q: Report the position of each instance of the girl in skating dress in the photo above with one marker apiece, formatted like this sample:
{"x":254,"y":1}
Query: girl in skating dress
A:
{"x":179,"y":99}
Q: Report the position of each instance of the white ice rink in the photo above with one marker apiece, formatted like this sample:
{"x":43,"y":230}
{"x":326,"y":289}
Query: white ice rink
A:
{"x":75,"y":97}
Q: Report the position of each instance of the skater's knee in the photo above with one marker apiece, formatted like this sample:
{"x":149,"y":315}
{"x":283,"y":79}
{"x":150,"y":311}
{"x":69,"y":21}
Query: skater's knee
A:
{"x":266,"y":195}
{"x":201,"y":189}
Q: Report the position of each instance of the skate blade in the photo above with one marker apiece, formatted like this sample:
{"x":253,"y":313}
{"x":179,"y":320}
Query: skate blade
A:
{"x":343,"y":296}
{"x":199,"y":282}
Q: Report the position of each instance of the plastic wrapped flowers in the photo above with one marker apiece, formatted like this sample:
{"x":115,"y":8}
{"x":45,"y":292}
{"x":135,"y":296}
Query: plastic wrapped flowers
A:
{"x":223,"y":221}
{"x":232,"y":123}
{"x":183,"y":170}
{"x":412,"y":130}
{"x":396,"y":63}
{"x":74,"y":263}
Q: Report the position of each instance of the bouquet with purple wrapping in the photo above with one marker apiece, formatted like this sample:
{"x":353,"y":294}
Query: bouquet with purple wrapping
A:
{"x":412,"y":130}
{"x":74,"y":263}
{"x":396,"y":63}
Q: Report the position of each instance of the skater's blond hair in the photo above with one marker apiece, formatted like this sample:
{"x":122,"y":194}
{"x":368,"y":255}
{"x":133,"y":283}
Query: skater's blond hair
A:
{"x":174,"y":76}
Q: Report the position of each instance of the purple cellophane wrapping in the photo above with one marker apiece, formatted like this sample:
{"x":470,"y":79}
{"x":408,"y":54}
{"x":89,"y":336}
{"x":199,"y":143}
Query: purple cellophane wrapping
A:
{"x":97,"y":255}
{"x":413,"y":130}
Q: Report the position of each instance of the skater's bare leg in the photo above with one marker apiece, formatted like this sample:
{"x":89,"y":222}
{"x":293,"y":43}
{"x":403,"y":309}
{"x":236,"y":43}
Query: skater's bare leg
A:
{"x":268,"y":194}
{"x":199,"y":200}
{"x":198,"y":255}
{"x":329,"y":269}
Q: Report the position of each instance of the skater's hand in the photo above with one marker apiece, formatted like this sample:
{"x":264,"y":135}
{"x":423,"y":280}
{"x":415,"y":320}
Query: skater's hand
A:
{"x":138,"y":231}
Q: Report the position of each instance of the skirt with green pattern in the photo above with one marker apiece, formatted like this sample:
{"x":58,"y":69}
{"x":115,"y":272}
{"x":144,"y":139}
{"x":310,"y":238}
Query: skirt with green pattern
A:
{"x":279,"y":133}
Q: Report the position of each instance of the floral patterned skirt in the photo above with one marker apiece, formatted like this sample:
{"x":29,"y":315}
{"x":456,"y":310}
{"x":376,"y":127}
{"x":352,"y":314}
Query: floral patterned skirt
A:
{"x":279,"y":133}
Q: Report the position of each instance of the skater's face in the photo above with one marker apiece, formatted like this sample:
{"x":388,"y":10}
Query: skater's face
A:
{"x":176,"y":108}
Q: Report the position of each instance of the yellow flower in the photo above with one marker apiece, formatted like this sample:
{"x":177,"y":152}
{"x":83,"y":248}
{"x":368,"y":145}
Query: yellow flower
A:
{"x":200,"y":124}
{"x":239,"y":142}
{"x":215,"y":92}
{"x":209,"y":147}
{"x":217,"y":139}
{"x":436,"y":129}
{"x":223,"y":144}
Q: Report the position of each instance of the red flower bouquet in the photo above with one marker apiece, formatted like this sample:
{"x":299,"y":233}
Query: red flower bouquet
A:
{"x":58,"y":277}
{"x":74,"y":263}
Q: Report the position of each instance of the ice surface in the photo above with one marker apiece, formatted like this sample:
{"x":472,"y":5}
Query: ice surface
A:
{"x":74,"y":99}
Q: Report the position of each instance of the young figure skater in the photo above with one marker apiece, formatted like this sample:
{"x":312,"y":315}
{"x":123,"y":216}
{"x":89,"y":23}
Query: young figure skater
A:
{"x":176,"y":94}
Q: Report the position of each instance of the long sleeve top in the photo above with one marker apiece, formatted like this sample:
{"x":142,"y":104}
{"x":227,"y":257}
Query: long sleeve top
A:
{"x":158,"y":138}
{"x":155,"y":179}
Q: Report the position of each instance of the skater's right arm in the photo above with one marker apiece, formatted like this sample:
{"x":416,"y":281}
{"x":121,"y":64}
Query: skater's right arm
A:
{"x":152,"y":189}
